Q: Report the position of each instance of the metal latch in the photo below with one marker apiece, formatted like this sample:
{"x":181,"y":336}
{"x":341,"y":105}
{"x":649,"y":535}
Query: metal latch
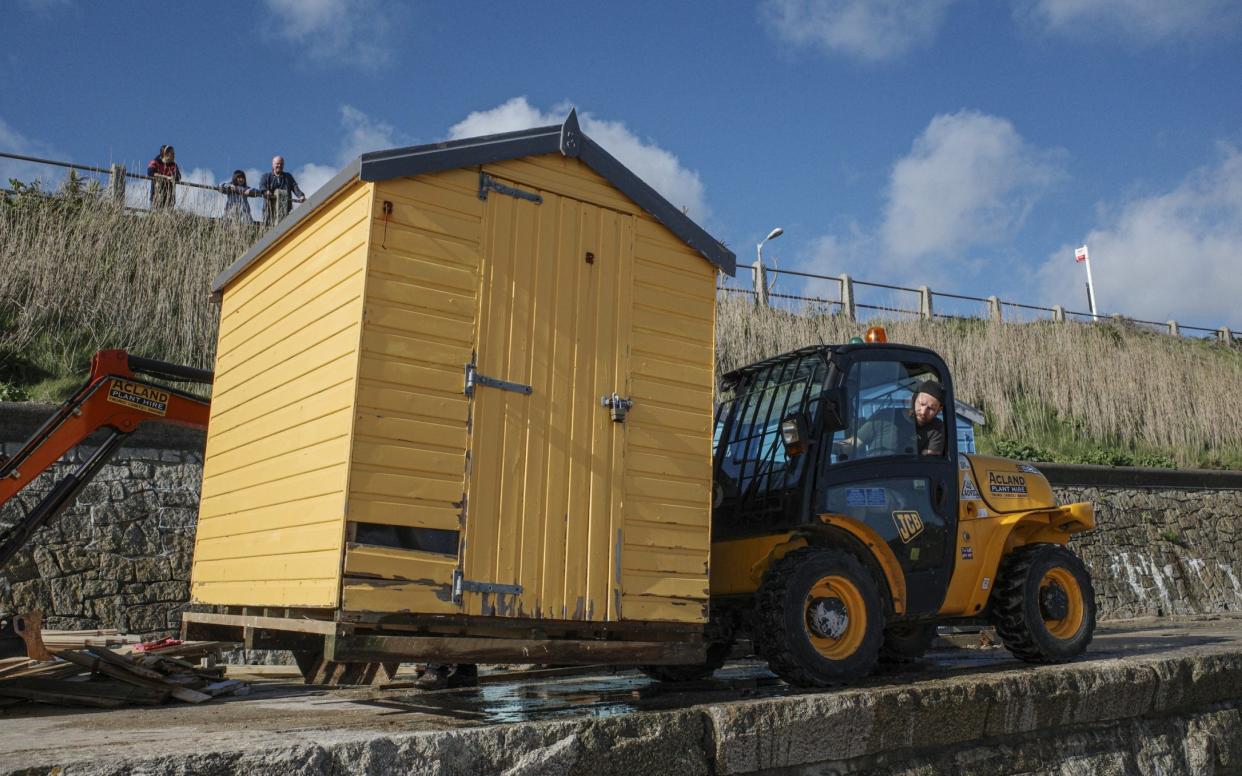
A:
{"x":617,"y":406}
{"x":487,"y":182}
{"x":461,"y":585}
{"x":473,"y":378}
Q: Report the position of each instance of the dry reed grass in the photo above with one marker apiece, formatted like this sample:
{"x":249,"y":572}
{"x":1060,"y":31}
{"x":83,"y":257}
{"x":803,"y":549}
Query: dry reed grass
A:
{"x":1105,"y":381}
{"x":80,"y":275}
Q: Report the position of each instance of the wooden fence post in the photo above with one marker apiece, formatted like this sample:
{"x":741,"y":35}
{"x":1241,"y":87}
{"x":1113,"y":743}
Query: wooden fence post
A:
{"x":1058,"y":313}
{"x":1226,"y":336}
{"x":116,"y":184}
{"x":760,"y":277}
{"x":1173,"y":329}
{"x":847,"y":298}
{"x":925,"y":304}
{"x":994,"y":309}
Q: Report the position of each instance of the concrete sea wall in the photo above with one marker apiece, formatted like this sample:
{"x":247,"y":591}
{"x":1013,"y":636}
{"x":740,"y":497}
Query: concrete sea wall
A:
{"x":1167,"y":543}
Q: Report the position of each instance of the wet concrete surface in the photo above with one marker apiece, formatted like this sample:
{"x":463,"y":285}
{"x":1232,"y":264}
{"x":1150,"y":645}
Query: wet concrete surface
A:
{"x":283,"y":712}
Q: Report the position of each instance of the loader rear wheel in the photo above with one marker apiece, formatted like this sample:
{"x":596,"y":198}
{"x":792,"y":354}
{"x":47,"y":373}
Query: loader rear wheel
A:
{"x":820,"y":618}
{"x":906,"y":642}
{"x":1044,"y":604}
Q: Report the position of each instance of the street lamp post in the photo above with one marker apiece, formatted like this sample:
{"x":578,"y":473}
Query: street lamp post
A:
{"x":761,"y":280}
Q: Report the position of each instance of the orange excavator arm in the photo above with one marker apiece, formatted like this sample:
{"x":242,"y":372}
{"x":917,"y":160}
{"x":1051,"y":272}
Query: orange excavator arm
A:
{"x":115,"y":399}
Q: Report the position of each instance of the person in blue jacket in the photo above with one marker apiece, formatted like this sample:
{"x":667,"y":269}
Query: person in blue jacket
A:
{"x":272,"y":182}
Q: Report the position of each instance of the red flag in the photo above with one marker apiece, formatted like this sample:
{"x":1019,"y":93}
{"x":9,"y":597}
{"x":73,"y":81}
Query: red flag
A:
{"x":1080,"y":255}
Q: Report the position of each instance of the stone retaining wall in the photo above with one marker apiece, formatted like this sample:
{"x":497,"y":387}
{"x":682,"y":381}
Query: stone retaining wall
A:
{"x":1167,"y":543}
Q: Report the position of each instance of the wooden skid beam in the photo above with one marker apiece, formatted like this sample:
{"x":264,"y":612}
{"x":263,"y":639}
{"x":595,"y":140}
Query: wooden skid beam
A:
{"x":323,"y":627}
{"x":444,"y":649}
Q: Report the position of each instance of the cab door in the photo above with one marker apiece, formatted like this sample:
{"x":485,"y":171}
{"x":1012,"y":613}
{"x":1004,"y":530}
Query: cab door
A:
{"x":874,"y":473}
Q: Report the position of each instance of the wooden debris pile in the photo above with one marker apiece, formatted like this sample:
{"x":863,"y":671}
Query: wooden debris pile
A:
{"x":85,"y":672}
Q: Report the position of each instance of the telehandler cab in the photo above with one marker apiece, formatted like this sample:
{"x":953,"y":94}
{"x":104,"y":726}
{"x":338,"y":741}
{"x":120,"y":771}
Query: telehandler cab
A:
{"x":832,"y":554}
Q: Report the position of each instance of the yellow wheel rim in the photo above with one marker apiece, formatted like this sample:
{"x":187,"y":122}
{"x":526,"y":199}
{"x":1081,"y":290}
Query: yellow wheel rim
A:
{"x":1067,"y":626}
{"x":844,"y":592}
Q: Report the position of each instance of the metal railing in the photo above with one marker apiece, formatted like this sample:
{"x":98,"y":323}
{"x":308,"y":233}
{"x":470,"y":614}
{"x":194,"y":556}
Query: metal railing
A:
{"x":926,"y":304}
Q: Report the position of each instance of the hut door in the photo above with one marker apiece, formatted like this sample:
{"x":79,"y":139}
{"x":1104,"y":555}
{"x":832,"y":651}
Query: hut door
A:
{"x":545,"y":467}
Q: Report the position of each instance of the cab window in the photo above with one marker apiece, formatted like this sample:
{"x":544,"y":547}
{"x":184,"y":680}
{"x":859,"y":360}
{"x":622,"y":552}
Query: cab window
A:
{"x":878,"y":417}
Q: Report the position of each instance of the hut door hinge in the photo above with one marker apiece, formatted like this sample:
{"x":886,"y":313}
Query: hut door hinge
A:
{"x":473,"y":378}
{"x":487,"y":182}
{"x":462,"y":585}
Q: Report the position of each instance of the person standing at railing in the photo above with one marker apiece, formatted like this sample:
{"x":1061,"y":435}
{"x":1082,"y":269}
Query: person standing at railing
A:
{"x":237,"y":208}
{"x":279,"y":189}
{"x":164,"y":174}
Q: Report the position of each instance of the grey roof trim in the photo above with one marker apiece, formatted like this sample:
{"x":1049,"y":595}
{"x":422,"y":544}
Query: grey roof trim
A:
{"x":325,"y":192}
{"x":566,"y":139}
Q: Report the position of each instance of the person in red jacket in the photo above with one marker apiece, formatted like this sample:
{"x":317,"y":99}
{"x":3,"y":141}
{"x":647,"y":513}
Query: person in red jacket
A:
{"x":164,"y":174}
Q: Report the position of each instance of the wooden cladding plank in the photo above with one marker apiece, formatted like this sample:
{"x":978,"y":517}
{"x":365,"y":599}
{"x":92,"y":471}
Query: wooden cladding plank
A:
{"x":423,"y":325}
{"x":400,"y":347}
{"x":656,"y":609}
{"x":454,"y":304}
{"x":281,"y":467}
{"x":412,"y":211}
{"x":661,"y":464}
{"x":674,"y":348}
{"x":280,"y":443}
{"x":310,"y":537}
{"x":693,"y":276}
{"x":446,"y":409}
{"x":274,"y":415}
{"x":651,"y":320}
{"x":652,"y":390}
{"x":311,"y":346}
{"x":691,"y":375}
{"x":657,"y":418}
{"x":662,"y":560}
{"x":320,"y":564}
{"x":685,"y":537}
{"x":416,"y":432}
{"x":385,"y":453}
{"x":303,"y":324}
{"x":661,"y":513}
{"x":665,"y":585}
{"x":398,"y":564}
{"x":380,"y":596}
{"x":408,"y":512}
{"x":291,"y":592}
{"x":454,"y":190}
{"x":382,"y":483}
{"x":329,"y":479}
{"x":295,"y":378}
{"x":301,"y":254}
{"x":426,"y":271}
{"x":378,"y":370}
{"x":287,"y":514}
{"x":680,"y":492}
{"x":564,"y":176}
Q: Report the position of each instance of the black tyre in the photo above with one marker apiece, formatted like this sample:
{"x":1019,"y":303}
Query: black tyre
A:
{"x":716,"y":654}
{"x":820,"y":618}
{"x":906,"y":642}
{"x":1044,"y":604}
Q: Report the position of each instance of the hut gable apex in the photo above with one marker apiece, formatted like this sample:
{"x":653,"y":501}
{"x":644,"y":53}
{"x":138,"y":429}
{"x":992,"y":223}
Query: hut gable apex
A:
{"x":566,"y":139}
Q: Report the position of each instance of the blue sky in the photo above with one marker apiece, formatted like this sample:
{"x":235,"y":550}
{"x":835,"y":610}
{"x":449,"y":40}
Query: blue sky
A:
{"x":968,"y":145}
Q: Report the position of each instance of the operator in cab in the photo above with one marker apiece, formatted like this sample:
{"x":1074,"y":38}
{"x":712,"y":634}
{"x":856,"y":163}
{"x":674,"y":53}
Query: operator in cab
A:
{"x":896,"y":431}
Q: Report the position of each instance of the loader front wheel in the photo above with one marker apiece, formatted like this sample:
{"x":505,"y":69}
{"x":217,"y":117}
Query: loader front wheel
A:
{"x":1044,"y":604}
{"x":821,"y":618}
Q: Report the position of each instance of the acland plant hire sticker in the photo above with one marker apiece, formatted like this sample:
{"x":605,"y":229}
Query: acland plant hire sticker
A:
{"x":969,"y":491}
{"x":909,"y":524}
{"x":138,"y":396}
{"x":1007,"y":484}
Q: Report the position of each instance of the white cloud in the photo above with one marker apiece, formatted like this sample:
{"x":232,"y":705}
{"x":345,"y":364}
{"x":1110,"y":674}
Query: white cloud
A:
{"x":1172,"y":255}
{"x":1148,"y":21}
{"x":659,"y":168}
{"x":363,"y":133}
{"x":869,"y":30}
{"x":352,"y":32}
{"x":311,"y":177}
{"x":200,"y":201}
{"x":969,"y":180}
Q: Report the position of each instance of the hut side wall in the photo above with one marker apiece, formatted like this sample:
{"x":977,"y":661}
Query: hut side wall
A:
{"x":408,"y":467}
{"x":668,"y":460}
{"x":271,"y":519}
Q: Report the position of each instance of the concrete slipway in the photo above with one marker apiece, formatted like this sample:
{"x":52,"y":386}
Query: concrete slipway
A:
{"x":1152,"y":697}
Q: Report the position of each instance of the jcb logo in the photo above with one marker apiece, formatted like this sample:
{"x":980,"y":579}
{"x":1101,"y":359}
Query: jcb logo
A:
{"x":909,"y":524}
